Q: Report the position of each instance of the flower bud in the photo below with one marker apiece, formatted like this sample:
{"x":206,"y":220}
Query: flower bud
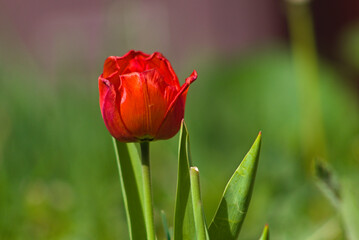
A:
{"x":141,"y":98}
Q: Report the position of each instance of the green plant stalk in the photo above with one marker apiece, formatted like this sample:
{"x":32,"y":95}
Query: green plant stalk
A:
{"x":197,"y":204}
{"x":147,"y":192}
{"x":183,"y":224}
{"x":306,"y":64}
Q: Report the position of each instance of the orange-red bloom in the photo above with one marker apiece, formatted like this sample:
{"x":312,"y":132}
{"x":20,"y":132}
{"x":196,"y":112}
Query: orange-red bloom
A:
{"x":141,"y":98}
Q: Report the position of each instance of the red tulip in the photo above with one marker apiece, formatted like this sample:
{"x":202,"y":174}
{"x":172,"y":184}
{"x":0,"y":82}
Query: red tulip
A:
{"x":141,"y":98}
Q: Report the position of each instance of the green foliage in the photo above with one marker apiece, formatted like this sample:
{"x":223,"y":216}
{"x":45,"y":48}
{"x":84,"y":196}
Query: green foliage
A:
{"x":265,"y":233}
{"x":234,"y":205}
{"x":130,"y":171}
{"x":165,"y":225}
{"x":189,"y":217}
{"x":199,"y":220}
{"x":343,"y":196}
{"x":184,"y":224}
{"x":349,"y":209}
{"x":328,"y":182}
{"x":58,"y":175}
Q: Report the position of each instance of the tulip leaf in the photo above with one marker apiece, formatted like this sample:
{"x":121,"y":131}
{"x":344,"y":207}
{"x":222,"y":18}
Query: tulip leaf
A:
{"x":265,"y":233}
{"x":199,"y":219}
{"x":130,"y":171}
{"x":165,"y":225}
{"x":234,"y":204}
{"x":349,"y":208}
{"x":184,"y":226}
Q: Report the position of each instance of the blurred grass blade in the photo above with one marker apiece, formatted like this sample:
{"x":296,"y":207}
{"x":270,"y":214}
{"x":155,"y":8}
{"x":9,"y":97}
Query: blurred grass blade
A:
{"x":234,"y":204}
{"x":184,"y":227}
{"x":129,"y":166}
{"x":199,"y":220}
{"x":327,"y":181}
{"x":265,"y":233}
{"x":350,"y":208}
{"x":345,"y":197}
{"x":165,"y":225}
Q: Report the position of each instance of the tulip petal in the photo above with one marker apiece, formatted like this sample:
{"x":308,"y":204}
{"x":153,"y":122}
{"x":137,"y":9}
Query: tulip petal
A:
{"x":137,"y":61}
{"x":163,"y":66}
{"x":110,"y":67}
{"x":143,"y":102}
{"x":160,"y":95}
{"x":133,"y":61}
{"x":175,"y":112}
{"x":142,"y":95}
{"x":188,"y":82}
{"x":110,"y":112}
{"x":172,"y":121}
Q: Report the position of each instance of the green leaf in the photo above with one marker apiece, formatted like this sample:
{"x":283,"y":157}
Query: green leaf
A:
{"x":349,"y":208}
{"x":130,"y":171}
{"x":343,"y":195}
{"x":234,"y":204}
{"x":328,"y":182}
{"x":265,"y":233}
{"x":184,"y":227}
{"x":199,"y":220}
{"x":165,"y":225}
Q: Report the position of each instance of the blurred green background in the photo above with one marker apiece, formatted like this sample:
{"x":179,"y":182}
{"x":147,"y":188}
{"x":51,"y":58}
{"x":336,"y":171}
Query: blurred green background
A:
{"x":288,"y":69}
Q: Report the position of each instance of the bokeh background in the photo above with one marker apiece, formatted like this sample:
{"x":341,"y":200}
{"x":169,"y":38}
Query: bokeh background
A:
{"x":288,"y":68}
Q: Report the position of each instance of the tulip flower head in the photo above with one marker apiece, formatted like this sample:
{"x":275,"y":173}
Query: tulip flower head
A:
{"x":141,"y":98}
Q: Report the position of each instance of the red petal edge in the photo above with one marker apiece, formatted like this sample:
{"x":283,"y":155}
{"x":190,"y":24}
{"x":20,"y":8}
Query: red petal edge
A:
{"x":110,"y":112}
{"x":180,"y":95}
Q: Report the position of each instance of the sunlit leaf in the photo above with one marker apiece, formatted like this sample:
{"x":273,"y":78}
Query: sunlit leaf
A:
{"x":184,"y":227}
{"x":234,"y":204}
{"x":129,"y":166}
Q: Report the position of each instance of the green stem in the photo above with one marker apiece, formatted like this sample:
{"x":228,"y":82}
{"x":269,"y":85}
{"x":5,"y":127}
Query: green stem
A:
{"x":197,"y":204}
{"x":306,"y":66}
{"x":147,"y":193}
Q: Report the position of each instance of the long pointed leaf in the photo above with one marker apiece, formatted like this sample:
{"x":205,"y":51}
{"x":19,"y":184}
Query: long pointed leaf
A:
{"x":184,"y":227}
{"x":265,"y":233}
{"x":129,"y":166}
{"x":234,"y":204}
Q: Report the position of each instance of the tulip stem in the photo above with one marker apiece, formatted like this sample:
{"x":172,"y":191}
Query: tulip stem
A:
{"x":147,"y":192}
